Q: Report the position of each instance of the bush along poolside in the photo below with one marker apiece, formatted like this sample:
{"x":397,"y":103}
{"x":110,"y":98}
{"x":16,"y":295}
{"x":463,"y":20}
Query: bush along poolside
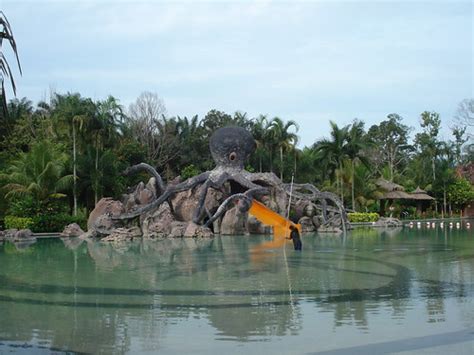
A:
{"x":13,"y":222}
{"x":44,"y":223}
{"x":355,"y":217}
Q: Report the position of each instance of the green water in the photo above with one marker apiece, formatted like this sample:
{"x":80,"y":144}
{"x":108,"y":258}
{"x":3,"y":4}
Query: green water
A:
{"x":393,"y":291}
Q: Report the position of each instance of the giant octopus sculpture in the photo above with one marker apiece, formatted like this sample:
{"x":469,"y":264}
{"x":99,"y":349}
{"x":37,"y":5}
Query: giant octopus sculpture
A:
{"x":209,"y":202}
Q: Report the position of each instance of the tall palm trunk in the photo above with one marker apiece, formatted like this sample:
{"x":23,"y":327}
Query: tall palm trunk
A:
{"x":352,"y":180}
{"x":444,"y":200}
{"x":96,"y":170}
{"x":341,"y":182}
{"x":281,"y":163}
{"x":271,"y":159}
{"x":433,"y":168}
{"x":74,"y":187}
{"x":294,"y":167}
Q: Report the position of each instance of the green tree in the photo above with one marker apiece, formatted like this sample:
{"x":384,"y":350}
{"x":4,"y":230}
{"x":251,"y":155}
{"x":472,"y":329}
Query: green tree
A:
{"x":333,"y":152}
{"x":20,"y":130}
{"x":259,"y":129}
{"x":282,"y":138}
{"x":461,"y":192}
{"x":355,"y":149}
{"x":39,"y":173}
{"x":427,"y":141}
{"x":389,"y":145}
{"x":215,"y":119}
{"x":105,"y":128}
{"x":192,"y":146}
{"x":459,"y":134}
{"x":72,"y":112}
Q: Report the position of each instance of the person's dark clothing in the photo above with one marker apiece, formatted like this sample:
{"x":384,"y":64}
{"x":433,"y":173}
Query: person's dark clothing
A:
{"x":295,"y":237}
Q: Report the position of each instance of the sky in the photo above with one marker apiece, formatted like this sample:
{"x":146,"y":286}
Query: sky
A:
{"x":310,"y":61}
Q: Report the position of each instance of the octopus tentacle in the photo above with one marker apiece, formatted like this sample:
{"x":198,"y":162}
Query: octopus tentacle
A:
{"x":170,"y":190}
{"x":160,"y":186}
{"x":222,"y":177}
{"x":240,"y":179}
{"x":315,"y":194}
{"x":202,"y":200}
{"x":247,"y":196}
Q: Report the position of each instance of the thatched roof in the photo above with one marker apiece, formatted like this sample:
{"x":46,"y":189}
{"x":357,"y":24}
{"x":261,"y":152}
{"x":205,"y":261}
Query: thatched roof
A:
{"x":418,"y":191}
{"x":395,"y":195}
{"x":392,"y":191}
{"x":420,"y":195}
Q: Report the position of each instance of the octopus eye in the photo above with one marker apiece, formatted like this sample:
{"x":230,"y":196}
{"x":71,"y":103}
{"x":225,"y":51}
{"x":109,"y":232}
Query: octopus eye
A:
{"x":232,"y":156}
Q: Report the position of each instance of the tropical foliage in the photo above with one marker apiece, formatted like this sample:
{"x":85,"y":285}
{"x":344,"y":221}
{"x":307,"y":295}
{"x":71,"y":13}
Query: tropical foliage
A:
{"x":64,"y":155}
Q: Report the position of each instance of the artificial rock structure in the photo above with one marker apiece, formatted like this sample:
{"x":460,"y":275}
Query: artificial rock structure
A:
{"x":215,"y":201}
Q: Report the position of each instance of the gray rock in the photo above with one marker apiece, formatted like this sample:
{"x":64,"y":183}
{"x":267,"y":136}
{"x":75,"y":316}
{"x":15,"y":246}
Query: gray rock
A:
{"x":122,"y":234}
{"x":254,"y":226}
{"x":72,"y":230}
{"x":186,"y":202}
{"x":317,"y":221}
{"x":389,"y":222}
{"x":142,"y":195}
{"x":100,"y":217}
{"x":157,"y":224}
{"x":304,"y":208}
{"x":151,"y":186}
{"x":233,"y":222}
{"x":307,"y":225}
{"x":178,"y":229}
{"x":329,"y":229}
{"x":194,"y":230}
{"x":15,"y":234}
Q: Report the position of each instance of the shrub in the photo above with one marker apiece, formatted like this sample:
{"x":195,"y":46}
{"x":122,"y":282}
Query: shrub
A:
{"x":13,"y":222}
{"x":49,"y":223}
{"x":189,"y":171}
{"x":27,"y":206}
{"x":363,"y":217}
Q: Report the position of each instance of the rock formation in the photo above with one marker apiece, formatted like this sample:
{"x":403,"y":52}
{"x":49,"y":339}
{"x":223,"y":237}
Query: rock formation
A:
{"x":215,"y":201}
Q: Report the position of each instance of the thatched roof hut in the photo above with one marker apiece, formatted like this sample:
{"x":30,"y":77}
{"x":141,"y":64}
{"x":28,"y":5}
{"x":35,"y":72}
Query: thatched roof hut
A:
{"x":420,"y":195}
{"x":392,"y":191}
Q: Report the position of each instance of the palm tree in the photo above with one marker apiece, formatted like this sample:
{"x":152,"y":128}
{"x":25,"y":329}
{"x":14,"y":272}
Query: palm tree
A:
{"x":20,"y":120}
{"x":356,"y":143}
{"x":283,"y":139}
{"x":259,"y":127}
{"x":333,"y":152}
{"x":105,"y":128}
{"x":5,"y":71}
{"x":72,"y":111}
{"x":19,"y":108}
{"x":38,"y":173}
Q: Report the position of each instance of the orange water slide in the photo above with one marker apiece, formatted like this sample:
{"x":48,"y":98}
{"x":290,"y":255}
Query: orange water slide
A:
{"x":281,"y":225}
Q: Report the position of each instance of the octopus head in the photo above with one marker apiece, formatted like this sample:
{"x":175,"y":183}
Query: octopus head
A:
{"x":231,"y":146}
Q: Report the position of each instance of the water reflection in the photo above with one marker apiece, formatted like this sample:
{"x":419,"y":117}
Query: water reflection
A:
{"x":83,"y":295}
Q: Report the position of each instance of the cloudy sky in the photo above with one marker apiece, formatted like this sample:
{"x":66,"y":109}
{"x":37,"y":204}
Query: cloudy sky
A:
{"x":311,"y":61}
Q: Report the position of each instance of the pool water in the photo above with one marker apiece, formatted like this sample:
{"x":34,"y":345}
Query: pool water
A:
{"x":373,"y":291}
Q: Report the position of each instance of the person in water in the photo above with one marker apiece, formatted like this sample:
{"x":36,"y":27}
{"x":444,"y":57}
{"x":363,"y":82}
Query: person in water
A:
{"x":295,"y":237}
